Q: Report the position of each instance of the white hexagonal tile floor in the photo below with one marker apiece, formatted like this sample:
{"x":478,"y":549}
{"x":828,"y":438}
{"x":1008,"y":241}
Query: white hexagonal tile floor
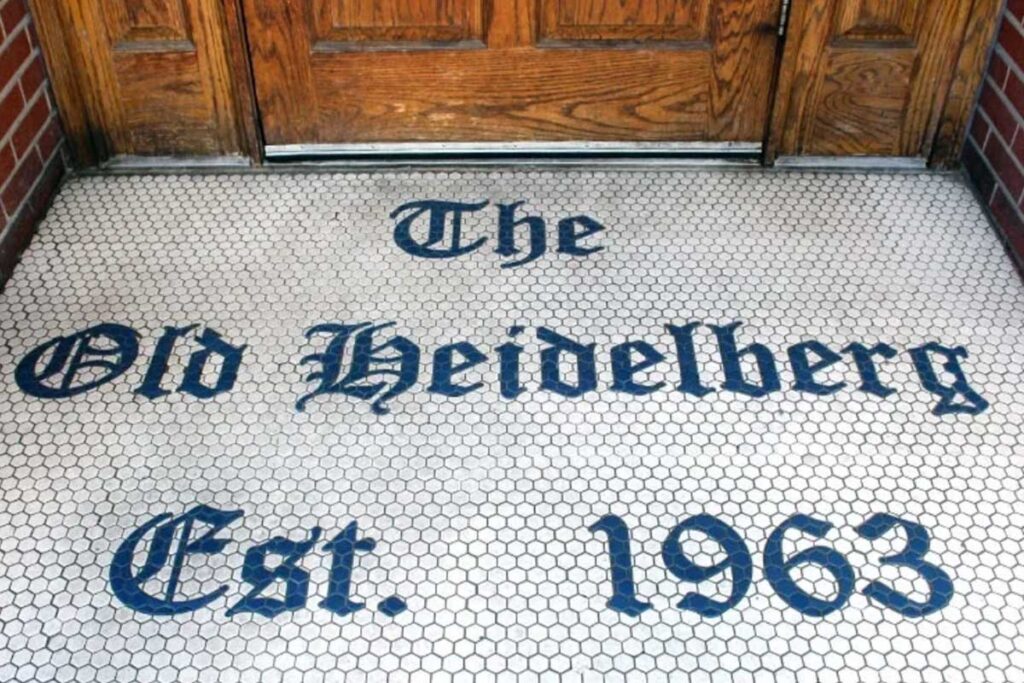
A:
{"x":512,"y":425}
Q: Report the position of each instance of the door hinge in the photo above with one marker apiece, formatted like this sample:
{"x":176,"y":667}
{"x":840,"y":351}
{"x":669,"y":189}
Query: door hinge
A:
{"x":783,"y":17}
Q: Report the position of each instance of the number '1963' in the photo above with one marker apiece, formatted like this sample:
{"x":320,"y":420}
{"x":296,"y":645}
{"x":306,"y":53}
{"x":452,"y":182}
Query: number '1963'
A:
{"x":778,"y":569}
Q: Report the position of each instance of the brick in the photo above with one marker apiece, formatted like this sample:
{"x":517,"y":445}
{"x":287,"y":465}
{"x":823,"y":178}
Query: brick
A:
{"x":1014,"y":89}
{"x":8,"y":162}
{"x":1008,"y":219}
{"x":11,"y":107}
{"x":1004,"y":210}
{"x":998,"y":69}
{"x":12,"y":14}
{"x":979,"y":131}
{"x":33,"y":37}
{"x":1005,"y":167}
{"x":46,"y":186}
{"x":33,"y":77}
{"x":17,"y":237}
{"x":21,"y":182}
{"x":1002,"y":118}
{"x":30,"y":126}
{"x":1012,"y":42}
{"x":1017,"y":146}
{"x":13,"y":56}
{"x":35,"y":205}
{"x":978,"y":170}
{"x":50,"y":138}
{"x":1015,"y":243}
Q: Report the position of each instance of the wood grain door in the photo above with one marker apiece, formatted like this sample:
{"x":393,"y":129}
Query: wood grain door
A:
{"x":360,"y":71}
{"x":145,"y":77}
{"x":866,"y":77}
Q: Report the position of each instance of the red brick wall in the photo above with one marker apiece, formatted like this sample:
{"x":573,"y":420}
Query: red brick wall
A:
{"x":31,"y":150}
{"x":994,"y":153}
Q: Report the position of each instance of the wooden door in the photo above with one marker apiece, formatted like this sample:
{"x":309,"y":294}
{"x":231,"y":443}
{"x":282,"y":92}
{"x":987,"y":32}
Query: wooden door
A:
{"x":360,"y":71}
{"x":148,"y":77}
{"x":866,"y":77}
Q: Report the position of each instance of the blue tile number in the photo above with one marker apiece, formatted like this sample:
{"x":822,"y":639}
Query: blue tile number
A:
{"x":738,"y":562}
{"x":621,"y":558}
{"x":778,"y":568}
{"x":912,"y":556}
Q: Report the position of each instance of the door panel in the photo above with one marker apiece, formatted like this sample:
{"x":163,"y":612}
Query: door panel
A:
{"x":371,"y":21}
{"x":866,"y":77}
{"x":881,"y":20}
{"x":601,"y":20}
{"x":155,"y":74}
{"x":155,"y":66}
{"x":337,"y":71}
{"x":133,"y":23}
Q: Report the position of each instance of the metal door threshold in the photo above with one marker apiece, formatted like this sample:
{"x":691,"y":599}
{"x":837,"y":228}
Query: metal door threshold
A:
{"x":513,"y":151}
{"x":863,"y":163}
{"x":176,"y":163}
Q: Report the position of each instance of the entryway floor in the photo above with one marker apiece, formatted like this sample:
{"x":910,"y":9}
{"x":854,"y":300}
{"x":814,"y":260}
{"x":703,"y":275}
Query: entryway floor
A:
{"x":738,"y":425}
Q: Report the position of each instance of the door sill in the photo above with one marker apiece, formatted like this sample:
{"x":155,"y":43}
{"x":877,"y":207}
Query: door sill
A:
{"x":853,"y":163}
{"x":532,"y":151}
{"x":163,"y":163}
